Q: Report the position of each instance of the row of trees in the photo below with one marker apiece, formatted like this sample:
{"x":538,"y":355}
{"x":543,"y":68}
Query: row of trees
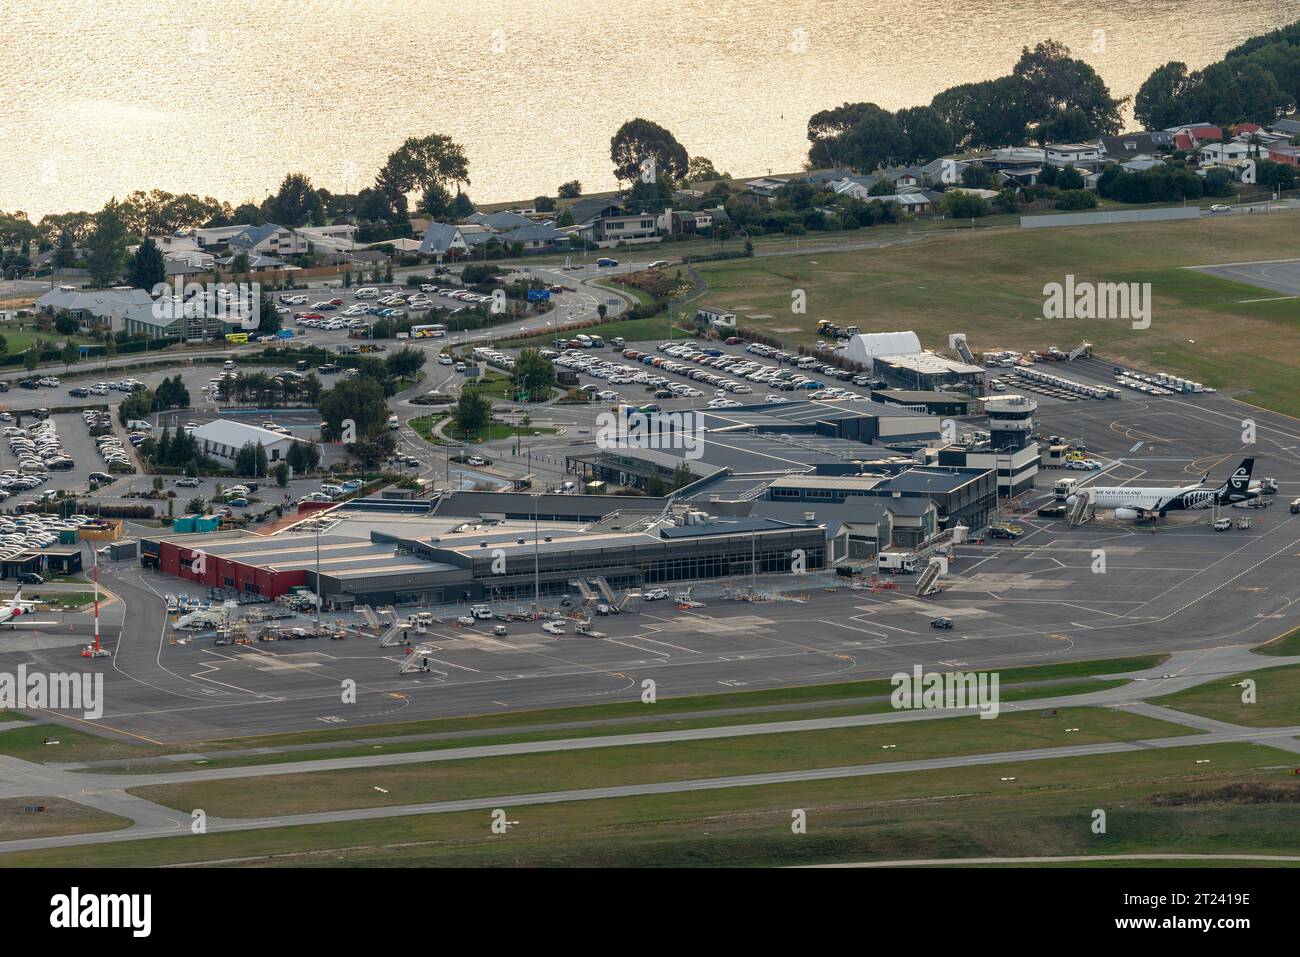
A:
{"x":1254,"y":82}
{"x":1048,"y":96}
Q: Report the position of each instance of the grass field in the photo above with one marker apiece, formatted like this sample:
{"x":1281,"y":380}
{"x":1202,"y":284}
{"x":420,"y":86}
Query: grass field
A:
{"x":29,"y":744}
{"x":989,"y":285}
{"x":59,"y":816}
{"x":1286,"y":645}
{"x":952,"y":813}
{"x":645,"y":763}
{"x":1277,"y":699}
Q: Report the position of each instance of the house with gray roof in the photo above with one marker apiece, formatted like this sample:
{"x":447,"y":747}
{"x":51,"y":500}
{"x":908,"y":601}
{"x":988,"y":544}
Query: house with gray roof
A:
{"x":269,"y":240}
{"x":443,"y":239}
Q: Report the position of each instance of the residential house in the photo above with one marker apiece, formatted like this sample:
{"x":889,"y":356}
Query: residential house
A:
{"x":443,"y":239}
{"x":1218,"y":153}
{"x":1131,"y":146}
{"x":535,"y":237}
{"x":623,"y":228}
{"x":217,"y":237}
{"x":1072,"y":154}
{"x":1289,"y":125}
{"x":1282,"y":153}
{"x":684,"y":222}
{"x":588,"y":210}
{"x":328,"y":239}
{"x":268,"y":240}
{"x":767,"y":186}
{"x":502,"y":221}
{"x":257,"y":262}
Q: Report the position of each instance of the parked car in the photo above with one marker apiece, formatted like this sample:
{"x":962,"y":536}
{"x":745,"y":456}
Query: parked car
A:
{"x":188,"y":482}
{"x":943,"y":623}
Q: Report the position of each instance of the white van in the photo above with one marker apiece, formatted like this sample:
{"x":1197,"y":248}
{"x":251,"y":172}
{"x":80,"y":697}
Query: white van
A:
{"x":807,"y":362}
{"x":367,"y":292}
{"x":481,"y":611}
{"x":139,"y":425}
{"x":393,"y":423}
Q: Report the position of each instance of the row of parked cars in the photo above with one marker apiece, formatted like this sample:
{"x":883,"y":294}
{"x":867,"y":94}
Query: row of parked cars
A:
{"x":725,"y":371}
{"x":21,"y":533}
{"x":109,"y":446}
{"x":618,"y":374}
{"x":38,"y":448}
{"x":332,"y":492}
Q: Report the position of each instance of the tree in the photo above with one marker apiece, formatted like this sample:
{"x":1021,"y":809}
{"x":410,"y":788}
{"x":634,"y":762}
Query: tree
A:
{"x":535,"y":373}
{"x":405,"y":363}
{"x":268,"y":321}
{"x":825,"y":129}
{"x":570,"y":190}
{"x":370,"y":450}
{"x":1076,"y":199}
{"x":700,"y":169}
{"x":1159,"y":101}
{"x":196,"y":506}
{"x":544,"y":204}
{"x":251,"y":460}
{"x":146,"y":267}
{"x":436,"y":202}
{"x":876,"y":140}
{"x":985,"y":115}
{"x":360,"y":399}
{"x":66,"y":255}
{"x":65,"y":325}
{"x":281,"y":473}
{"x":1069,"y":178}
{"x":927,"y":133}
{"x":1055,"y":82}
{"x":70,"y":354}
{"x":472,"y":412}
{"x":422,"y":162}
{"x":960,"y":204}
{"x":31,"y":359}
{"x":296,"y":203}
{"x":106,"y":245}
{"x":640,"y":141}
{"x":977,"y":176}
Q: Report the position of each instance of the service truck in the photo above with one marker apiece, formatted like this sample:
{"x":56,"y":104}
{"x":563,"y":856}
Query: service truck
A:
{"x":896,"y":563}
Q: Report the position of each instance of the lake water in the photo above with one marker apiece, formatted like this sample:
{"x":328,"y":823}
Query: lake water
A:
{"x":222,"y":97}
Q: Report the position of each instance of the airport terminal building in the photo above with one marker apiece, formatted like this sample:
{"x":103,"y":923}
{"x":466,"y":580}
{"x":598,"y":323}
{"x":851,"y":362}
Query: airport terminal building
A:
{"x":377,"y":559}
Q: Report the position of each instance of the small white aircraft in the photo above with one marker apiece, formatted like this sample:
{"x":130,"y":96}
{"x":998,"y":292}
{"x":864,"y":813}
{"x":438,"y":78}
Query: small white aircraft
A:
{"x":16,"y":609}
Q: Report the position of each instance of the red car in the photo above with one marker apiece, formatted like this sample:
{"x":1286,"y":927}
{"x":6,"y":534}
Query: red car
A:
{"x":735,"y":341}
{"x":336,"y":302}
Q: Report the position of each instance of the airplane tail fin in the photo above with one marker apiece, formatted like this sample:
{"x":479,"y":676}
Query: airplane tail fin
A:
{"x":16,"y":601}
{"x":1239,"y":480}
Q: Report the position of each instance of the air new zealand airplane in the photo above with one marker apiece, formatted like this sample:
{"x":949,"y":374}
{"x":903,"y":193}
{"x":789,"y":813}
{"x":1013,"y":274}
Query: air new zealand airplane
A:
{"x":1131,"y":502}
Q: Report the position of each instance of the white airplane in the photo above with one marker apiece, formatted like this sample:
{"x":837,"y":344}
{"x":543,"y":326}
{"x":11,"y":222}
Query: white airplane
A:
{"x":1132,"y":502}
{"x":17,"y":608}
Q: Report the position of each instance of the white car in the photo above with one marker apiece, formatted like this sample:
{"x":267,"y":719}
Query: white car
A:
{"x":553,"y":627}
{"x":1220,"y":208}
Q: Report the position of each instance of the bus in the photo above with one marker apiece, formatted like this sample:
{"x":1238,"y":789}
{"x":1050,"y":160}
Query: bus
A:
{"x":238,"y":338}
{"x":434,"y":331}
